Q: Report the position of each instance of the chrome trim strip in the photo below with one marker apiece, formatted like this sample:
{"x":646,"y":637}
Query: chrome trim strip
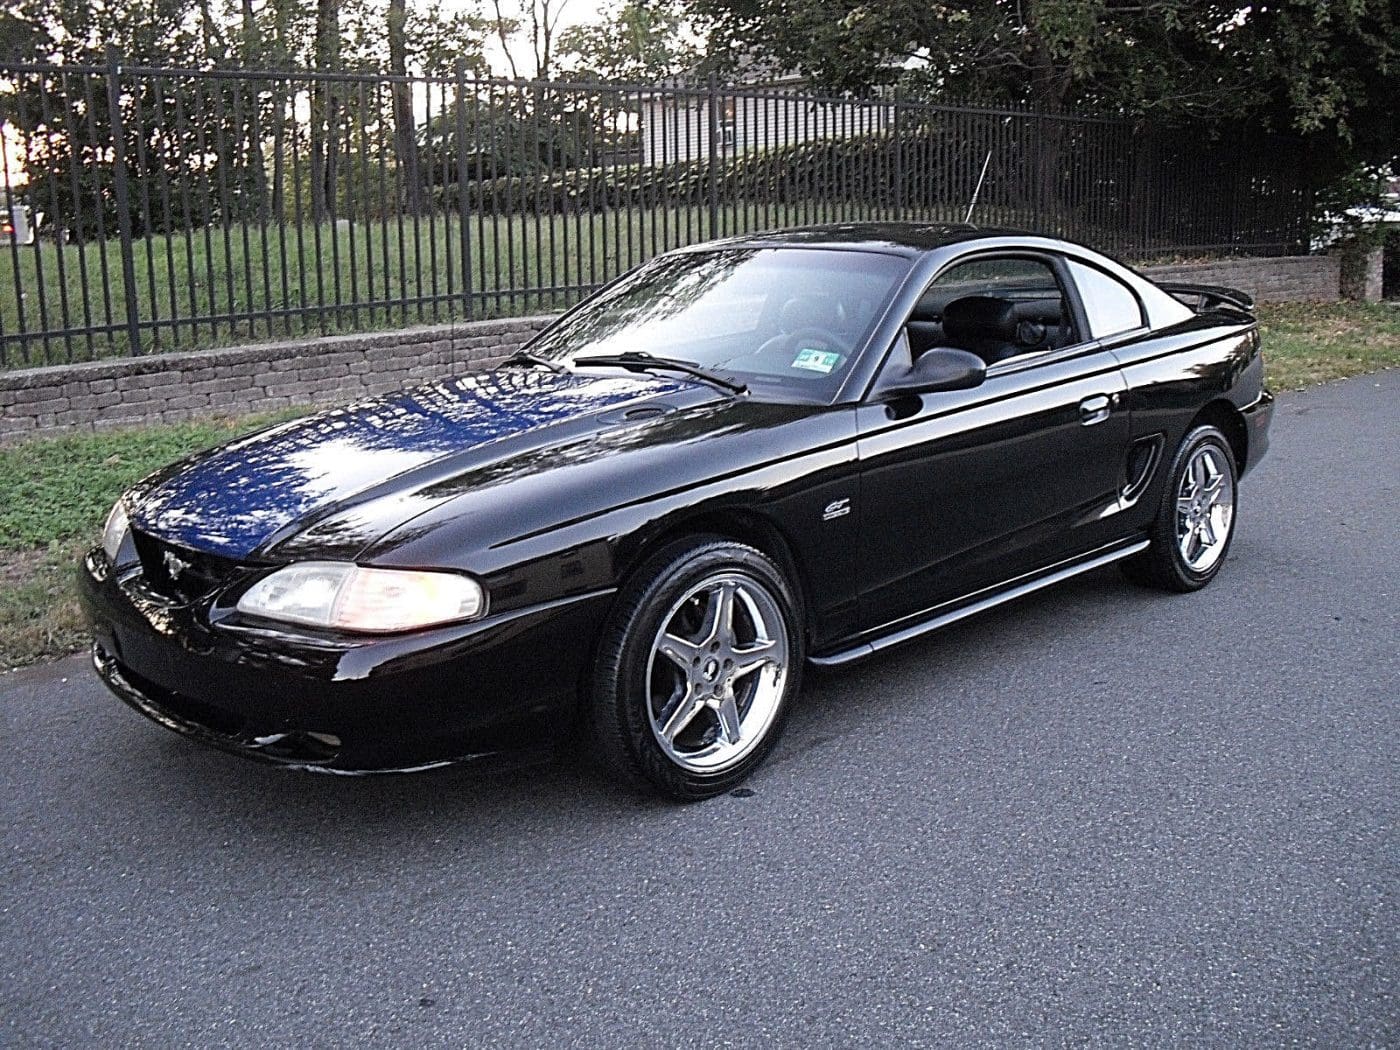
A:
{"x":991,"y":601}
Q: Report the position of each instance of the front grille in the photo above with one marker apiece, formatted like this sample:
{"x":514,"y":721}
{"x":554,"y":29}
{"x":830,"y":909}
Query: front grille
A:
{"x":178,"y":572}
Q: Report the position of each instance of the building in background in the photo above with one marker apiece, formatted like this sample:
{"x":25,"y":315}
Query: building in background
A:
{"x":762,"y":112}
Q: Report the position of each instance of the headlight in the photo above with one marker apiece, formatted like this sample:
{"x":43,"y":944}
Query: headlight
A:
{"x":114,"y":532}
{"x":348,"y":597}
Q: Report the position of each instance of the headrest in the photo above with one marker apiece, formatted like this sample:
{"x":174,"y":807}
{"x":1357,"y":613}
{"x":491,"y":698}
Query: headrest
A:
{"x":809,"y":311}
{"x":927,"y":309}
{"x":980,"y":317}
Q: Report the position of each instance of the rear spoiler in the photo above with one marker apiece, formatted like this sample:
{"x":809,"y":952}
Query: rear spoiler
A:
{"x":1203,"y":297}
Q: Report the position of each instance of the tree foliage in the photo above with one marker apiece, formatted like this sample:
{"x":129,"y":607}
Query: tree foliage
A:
{"x":639,"y":42}
{"x":228,"y":138}
{"x":1326,"y":68}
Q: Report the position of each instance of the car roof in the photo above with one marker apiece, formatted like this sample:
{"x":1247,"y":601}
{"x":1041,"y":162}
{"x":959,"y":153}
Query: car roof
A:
{"x":896,"y":238}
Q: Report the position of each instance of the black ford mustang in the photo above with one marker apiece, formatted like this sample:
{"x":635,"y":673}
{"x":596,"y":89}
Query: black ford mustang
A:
{"x":739,"y":458}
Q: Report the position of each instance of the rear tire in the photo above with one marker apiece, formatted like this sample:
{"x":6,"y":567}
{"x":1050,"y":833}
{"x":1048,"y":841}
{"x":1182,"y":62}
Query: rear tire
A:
{"x":1195,"y":523}
{"x":697,"y":669}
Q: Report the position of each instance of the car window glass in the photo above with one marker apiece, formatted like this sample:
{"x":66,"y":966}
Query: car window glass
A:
{"x":1111,"y":307}
{"x":987,"y":276}
{"x":996,"y":308}
{"x":788,"y":320}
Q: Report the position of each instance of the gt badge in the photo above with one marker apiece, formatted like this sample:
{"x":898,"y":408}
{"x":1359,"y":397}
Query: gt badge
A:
{"x":837,"y":508}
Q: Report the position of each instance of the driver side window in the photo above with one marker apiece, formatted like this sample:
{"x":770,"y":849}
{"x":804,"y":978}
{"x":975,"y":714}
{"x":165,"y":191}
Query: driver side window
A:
{"x":996,"y":308}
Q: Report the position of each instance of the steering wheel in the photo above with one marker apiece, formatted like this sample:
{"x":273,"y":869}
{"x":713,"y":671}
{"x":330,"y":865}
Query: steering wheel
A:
{"x":787,"y":343}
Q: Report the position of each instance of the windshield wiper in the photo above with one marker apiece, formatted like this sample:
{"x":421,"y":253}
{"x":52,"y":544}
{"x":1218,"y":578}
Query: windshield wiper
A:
{"x":525,"y":357}
{"x":636,"y":361}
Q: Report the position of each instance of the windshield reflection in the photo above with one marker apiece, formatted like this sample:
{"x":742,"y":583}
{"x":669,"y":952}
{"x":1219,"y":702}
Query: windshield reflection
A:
{"x":791,"y":318}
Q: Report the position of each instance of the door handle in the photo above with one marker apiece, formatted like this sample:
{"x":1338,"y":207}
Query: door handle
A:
{"x":1095,"y":409}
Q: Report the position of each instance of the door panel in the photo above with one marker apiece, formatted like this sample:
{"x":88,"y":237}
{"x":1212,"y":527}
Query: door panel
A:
{"x":972,"y":487}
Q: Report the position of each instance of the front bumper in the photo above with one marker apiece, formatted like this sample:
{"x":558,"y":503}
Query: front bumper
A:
{"x":393,"y":703}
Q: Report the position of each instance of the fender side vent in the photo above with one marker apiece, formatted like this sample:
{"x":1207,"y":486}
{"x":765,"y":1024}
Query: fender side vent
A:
{"x":1142,"y":462}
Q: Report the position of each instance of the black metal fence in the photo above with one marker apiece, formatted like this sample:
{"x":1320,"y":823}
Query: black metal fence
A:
{"x":161,"y":209}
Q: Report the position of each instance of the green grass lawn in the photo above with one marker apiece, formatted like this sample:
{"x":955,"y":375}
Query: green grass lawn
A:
{"x":55,"y":492}
{"x":1307,"y":343}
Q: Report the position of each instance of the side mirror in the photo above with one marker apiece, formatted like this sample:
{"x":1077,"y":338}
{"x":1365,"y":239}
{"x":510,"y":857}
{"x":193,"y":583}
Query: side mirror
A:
{"x":942,"y":368}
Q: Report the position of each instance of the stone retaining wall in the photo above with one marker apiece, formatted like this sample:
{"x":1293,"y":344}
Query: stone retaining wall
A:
{"x":1293,"y":278}
{"x":163,"y":388}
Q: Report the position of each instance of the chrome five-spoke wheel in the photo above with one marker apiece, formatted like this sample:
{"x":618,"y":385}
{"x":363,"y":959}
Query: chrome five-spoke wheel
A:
{"x":1205,"y":507}
{"x":697,"y":667}
{"x":717,"y":672}
{"x":1195,"y":520}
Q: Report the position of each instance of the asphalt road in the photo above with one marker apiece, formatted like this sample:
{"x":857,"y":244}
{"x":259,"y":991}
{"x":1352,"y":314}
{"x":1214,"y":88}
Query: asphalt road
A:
{"x":1100,"y":816}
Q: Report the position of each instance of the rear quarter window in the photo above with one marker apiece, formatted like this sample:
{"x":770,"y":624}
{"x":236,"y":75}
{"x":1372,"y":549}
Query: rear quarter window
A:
{"x":1109,"y":304}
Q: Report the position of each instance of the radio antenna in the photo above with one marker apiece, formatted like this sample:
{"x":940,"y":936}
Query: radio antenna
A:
{"x":973,"y":203}
{"x":977,"y":192}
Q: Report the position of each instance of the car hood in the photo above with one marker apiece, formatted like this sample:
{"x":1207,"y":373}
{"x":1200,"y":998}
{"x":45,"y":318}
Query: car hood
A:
{"x":241,"y":499}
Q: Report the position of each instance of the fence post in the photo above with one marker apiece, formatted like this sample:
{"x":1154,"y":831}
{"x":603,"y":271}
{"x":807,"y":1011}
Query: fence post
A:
{"x":1037,"y":159}
{"x":119,"y":188}
{"x":461,"y":107}
{"x":898,"y":160}
{"x":714,"y":134}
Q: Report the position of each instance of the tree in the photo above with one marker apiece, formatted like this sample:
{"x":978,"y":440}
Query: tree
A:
{"x":432,"y":44}
{"x":66,"y":125}
{"x":405,"y":137}
{"x":537,"y":21}
{"x":1318,"y":67}
{"x":637,"y":42}
{"x":1332,"y":72}
{"x":20,"y":39}
{"x":441,"y":40}
{"x":1035,"y":51}
{"x":325,"y":107}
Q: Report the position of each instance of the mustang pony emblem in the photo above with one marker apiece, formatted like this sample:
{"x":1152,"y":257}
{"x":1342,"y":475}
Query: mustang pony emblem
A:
{"x":174,"y":564}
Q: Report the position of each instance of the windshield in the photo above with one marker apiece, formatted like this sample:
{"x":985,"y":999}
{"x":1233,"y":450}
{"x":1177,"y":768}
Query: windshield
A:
{"x":781,"y":320}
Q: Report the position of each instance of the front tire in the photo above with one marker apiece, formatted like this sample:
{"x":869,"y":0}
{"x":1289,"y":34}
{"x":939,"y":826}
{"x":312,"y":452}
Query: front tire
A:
{"x":697,"y":669}
{"x":1196,"y":521}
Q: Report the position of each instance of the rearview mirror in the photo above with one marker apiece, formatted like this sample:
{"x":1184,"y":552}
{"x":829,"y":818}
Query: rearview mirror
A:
{"x":942,"y":368}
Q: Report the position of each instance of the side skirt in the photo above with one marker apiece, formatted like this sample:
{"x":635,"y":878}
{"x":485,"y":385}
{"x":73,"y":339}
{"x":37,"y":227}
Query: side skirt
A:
{"x":981,"y":601}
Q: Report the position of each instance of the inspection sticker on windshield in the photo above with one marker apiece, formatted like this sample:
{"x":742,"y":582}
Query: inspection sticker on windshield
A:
{"x":822,"y":361}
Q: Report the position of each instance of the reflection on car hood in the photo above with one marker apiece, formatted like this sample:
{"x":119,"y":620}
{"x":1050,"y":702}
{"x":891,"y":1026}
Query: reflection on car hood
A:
{"x":244,"y":495}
